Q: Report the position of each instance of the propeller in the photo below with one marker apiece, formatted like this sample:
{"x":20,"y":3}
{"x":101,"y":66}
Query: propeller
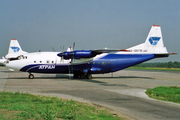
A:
{"x":62,"y":57}
{"x":72,"y":59}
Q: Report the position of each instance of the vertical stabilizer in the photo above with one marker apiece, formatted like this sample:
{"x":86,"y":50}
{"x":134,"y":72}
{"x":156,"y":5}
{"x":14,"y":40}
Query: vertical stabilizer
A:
{"x":153,"y":44}
{"x":14,"y":49}
{"x":154,"y":38}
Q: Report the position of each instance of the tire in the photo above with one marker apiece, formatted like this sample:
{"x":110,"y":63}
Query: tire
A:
{"x":31,"y":76}
{"x":83,"y":76}
{"x":89,"y":76}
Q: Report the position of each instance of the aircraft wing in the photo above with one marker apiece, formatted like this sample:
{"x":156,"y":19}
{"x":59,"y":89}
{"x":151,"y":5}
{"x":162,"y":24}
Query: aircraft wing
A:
{"x":105,"y":50}
{"x":79,"y":54}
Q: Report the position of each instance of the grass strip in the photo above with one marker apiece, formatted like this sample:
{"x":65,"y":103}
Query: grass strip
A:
{"x":171,"y":94}
{"x":24,"y":106}
{"x":155,"y":68}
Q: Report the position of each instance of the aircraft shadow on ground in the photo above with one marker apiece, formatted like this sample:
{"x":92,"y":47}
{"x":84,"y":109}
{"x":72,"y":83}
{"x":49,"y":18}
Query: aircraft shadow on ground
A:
{"x":61,"y":77}
{"x":93,"y":80}
{"x":64,"y":77}
{"x":119,"y":77}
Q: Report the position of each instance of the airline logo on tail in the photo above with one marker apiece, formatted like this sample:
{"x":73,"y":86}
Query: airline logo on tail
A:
{"x":15,"y":49}
{"x":154,"y":40}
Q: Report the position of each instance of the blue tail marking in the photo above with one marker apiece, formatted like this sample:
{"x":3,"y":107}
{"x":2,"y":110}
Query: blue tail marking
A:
{"x":154,"y":40}
{"x":15,"y":49}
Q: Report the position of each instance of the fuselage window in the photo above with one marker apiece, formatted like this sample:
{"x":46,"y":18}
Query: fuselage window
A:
{"x":99,"y":62}
{"x":47,"y":61}
{"x":40,"y":61}
{"x":94,"y":63}
{"x":109,"y":63}
{"x":52,"y":61}
{"x":103,"y":63}
{"x":34,"y":61}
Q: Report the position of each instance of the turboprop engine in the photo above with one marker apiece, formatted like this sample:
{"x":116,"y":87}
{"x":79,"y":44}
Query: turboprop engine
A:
{"x":77,"y":54}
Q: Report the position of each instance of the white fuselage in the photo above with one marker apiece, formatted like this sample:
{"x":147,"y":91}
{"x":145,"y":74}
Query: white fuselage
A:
{"x":36,"y":58}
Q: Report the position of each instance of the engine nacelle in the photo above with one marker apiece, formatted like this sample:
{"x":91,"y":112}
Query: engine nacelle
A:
{"x":77,"y":54}
{"x":66,"y":55}
{"x":84,"y":54}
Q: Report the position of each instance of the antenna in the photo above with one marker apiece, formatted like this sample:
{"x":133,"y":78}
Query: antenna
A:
{"x":53,"y":49}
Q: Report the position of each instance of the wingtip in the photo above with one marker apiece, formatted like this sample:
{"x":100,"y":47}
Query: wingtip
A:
{"x":156,"y":25}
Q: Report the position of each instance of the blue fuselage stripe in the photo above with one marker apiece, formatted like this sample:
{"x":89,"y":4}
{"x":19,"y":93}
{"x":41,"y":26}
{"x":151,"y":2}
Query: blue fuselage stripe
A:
{"x":106,"y":64}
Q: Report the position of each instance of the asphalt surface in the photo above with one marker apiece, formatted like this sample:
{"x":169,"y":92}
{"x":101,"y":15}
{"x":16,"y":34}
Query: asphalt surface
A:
{"x":122,"y":91}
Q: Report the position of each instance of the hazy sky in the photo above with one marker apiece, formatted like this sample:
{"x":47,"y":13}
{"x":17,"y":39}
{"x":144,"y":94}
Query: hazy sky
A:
{"x":91,"y":24}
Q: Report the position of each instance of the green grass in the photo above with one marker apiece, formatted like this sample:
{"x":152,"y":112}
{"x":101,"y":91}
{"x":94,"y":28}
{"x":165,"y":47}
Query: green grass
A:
{"x":171,"y":94}
{"x":24,"y":106}
{"x":155,"y":68}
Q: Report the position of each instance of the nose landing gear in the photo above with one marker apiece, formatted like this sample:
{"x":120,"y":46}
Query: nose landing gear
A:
{"x":31,"y":76}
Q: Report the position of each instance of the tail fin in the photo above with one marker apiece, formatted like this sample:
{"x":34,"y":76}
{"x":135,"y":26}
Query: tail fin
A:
{"x":153,"y":44}
{"x":14,"y":49}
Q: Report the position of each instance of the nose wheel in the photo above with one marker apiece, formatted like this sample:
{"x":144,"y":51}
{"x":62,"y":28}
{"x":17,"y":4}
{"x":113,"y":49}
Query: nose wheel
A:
{"x":31,"y":76}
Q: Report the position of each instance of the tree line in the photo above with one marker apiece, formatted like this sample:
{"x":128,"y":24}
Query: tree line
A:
{"x":160,"y":64}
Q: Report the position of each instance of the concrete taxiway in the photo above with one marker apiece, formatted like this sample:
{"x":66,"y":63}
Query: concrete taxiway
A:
{"x":124,"y":92}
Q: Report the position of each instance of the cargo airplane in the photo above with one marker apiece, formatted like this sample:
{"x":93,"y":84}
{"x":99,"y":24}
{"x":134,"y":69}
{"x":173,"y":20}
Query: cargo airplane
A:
{"x":83,"y":63}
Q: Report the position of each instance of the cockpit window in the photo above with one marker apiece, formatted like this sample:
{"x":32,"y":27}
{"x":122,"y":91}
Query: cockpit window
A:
{"x":18,"y":58}
{"x":11,"y":59}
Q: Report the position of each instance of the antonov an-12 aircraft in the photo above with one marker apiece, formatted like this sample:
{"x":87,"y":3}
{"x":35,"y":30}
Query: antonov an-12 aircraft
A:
{"x":83,"y":63}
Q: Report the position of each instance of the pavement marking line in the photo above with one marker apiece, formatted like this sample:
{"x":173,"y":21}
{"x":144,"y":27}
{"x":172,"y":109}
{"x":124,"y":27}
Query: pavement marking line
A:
{"x":131,"y":92}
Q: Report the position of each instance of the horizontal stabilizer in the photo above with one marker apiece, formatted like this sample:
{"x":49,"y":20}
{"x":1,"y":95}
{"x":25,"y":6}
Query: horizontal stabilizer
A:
{"x":164,"y":55}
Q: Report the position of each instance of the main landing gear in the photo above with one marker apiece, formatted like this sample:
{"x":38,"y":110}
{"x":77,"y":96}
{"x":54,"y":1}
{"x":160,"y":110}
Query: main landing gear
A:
{"x":31,"y":76}
{"x":83,"y":76}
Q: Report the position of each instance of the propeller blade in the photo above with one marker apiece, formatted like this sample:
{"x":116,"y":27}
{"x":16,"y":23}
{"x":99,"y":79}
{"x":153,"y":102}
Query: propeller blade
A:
{"x":72,"y":59}
{"x":73,"y":46}
{"x":62,"y":50}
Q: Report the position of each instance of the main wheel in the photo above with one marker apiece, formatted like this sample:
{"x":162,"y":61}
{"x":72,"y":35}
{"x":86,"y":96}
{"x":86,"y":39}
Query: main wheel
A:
{"x":31,"y":76}
{"x":88,"y":76}
{"x":83,"y":76}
